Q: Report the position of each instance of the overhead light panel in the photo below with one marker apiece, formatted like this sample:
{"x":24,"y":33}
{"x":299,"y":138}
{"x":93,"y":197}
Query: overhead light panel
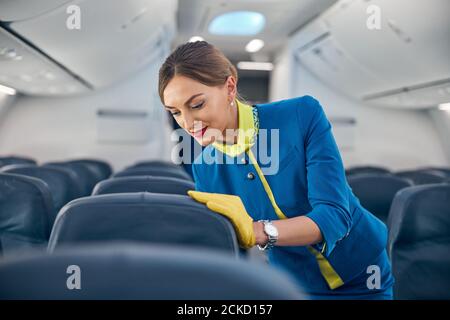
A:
{"x":444,"y":106}
{"x":251,"y":65}
{"x":196,"y":38}
{"x":7,"y":90}
{"x":254,"y":46}
{"x":238,"y":23}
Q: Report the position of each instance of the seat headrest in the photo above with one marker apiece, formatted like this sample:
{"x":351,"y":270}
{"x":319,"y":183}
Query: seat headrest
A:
{"x":10,"y":167}
{"x":422,"y":177}
{"x":173,"y":172}
{"x":376,"y":191}
{"x":442,"y":170}
{"x":25,"y":209}
{"x":86,"y":177}
{"x":154,"y":164}
{"x":144,"y":184}
{"x":366,"y":170}
{"x":133,"y":271}
{"x":144,"y":217}
{"x":4,"y":161}
{"x":100,"y":168}
{"x":419,"y":242}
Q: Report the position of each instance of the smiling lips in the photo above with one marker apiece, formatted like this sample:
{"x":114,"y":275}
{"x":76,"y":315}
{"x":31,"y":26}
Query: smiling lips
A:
{"x":199,"y":133}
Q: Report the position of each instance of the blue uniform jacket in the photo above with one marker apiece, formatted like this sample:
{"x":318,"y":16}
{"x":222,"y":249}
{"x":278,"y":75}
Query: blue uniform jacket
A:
{"x":310,"y":181}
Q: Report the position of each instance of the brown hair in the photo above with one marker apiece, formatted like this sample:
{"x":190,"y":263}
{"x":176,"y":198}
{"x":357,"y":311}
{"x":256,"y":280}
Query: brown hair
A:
{"x":199,"y":61}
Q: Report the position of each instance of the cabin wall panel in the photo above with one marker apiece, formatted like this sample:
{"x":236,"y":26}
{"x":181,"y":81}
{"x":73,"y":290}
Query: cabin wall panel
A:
{"x":51,"y":129}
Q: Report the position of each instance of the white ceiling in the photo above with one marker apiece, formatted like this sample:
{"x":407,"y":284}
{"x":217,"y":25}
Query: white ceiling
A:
{"x":16,"y":10}
{"x":282,"y":18}
{"x":117,"y":38}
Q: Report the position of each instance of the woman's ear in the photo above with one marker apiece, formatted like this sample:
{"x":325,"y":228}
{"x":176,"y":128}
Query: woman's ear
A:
{"x":231,"y":88}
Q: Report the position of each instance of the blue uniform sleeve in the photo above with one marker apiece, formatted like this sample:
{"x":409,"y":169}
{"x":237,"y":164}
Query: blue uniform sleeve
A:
{"x":196,"y":179}
{"x":327,"y":186}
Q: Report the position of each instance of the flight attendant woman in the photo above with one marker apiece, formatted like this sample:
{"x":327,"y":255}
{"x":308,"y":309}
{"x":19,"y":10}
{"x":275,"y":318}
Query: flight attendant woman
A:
{"x":304,"y":215}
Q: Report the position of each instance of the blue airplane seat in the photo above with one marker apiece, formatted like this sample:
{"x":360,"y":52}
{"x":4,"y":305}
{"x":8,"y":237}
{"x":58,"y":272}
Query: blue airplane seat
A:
{"x":58,"y":181}
{"x":25,"y":211}
{"x":376,"y":191}
{"x":419,"y":242}
{"x":144,"y":272}
{"x":143,"y":217}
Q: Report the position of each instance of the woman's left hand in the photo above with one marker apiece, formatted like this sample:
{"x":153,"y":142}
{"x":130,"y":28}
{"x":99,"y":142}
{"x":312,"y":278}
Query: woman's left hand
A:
{"x":231,"y":207}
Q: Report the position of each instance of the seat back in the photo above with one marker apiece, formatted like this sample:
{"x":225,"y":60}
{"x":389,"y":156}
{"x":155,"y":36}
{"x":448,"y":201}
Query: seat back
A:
{"x":143,"y":217}
{"x":419,"y":242}
{"x":172,"y":172}
{"x":376,"y":191}
{"x":144,"y":184}
{"x":25,"y":210}
{"x":130,"y":271}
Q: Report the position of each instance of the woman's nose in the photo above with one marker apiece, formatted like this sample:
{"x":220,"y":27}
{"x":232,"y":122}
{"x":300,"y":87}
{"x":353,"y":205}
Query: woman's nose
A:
{"x":188,"y":121}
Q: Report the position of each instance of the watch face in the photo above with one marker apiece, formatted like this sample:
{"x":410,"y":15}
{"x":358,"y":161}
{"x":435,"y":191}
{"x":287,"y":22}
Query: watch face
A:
{"x":271,"y":230}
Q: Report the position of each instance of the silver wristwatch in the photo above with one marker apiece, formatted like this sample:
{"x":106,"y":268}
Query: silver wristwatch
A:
{"x":271,"y":232}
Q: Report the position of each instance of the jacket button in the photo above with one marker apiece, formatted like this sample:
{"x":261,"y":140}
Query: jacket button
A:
{"x":250,"y":176}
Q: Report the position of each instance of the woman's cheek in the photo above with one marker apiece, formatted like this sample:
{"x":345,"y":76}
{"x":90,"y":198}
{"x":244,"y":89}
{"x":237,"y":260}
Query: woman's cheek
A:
{"x":179,"y":121}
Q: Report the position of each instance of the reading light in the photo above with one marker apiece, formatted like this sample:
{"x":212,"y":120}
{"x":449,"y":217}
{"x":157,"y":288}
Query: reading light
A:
{"x":196,"y":38}
{"x":7,"y":90}
{"x":444,"y":106}
{"x":254,"y":46}
{"x":251,"y":65}
{"x":237,"y":23}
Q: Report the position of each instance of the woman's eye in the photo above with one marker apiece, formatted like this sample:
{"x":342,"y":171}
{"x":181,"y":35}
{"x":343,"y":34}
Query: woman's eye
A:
{"x":175,"y":114}
{"x":198,"y":106}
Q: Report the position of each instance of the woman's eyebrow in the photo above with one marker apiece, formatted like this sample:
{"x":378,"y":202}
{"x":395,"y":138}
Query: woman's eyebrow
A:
{"x":187,"y":101}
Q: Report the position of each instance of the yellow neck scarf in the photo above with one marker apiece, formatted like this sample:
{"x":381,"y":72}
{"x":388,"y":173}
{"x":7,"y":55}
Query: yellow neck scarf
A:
{"x":248,"y":129}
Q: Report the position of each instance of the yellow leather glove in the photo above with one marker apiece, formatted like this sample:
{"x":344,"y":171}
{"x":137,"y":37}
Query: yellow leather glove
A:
{"x":231,"y":207}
